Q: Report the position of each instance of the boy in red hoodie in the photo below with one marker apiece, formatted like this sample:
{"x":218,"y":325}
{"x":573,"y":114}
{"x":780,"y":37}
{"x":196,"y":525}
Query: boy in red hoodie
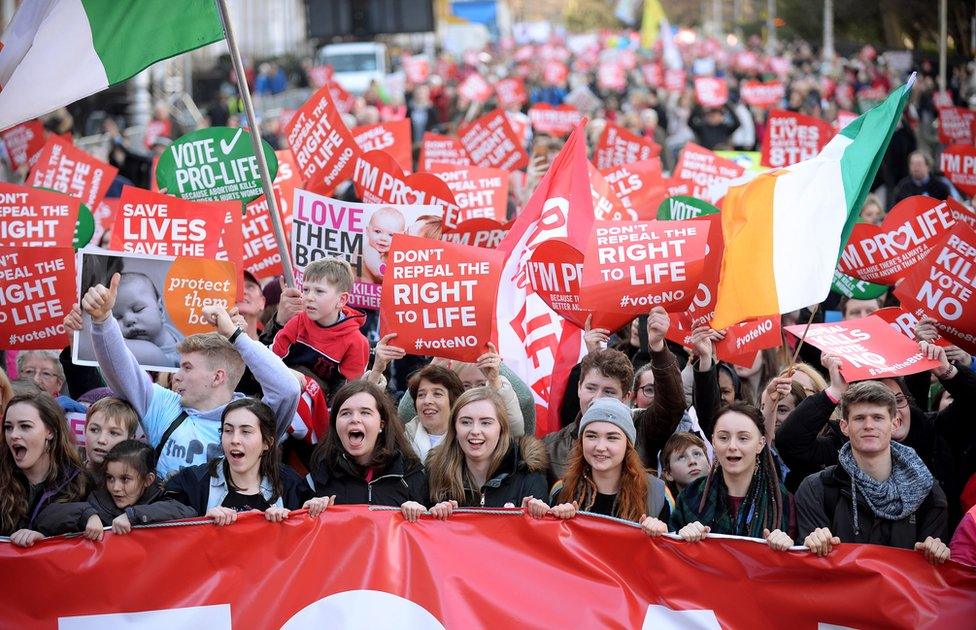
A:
{"x":325,"y":336}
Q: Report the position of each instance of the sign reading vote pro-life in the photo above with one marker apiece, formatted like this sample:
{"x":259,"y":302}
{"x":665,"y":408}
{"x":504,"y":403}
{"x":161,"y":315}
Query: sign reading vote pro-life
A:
{"x":214,"y":164}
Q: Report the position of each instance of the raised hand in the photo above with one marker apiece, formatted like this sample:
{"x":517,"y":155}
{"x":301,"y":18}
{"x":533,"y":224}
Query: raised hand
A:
{"x":99,"y":299}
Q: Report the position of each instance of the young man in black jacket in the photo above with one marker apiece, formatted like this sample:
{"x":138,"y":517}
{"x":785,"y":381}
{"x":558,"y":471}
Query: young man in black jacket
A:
{"x":879,"y":492}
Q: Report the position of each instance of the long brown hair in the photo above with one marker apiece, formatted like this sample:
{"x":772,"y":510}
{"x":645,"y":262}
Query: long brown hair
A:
{"x":447,"y":469}
{"x":390,"y":442}
{"x":270,"y":465}
{"x":578,"y":484}
{"x":63,"y":470}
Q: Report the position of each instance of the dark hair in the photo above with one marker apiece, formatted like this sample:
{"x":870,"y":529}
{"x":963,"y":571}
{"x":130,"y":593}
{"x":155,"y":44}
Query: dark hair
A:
{"x":764,"y":496}
{"x":136,"y":454}
{"x":612,"y":364}
{"x":391,"y":442}
{"x":437,"y":375}
{"x":270,"y":466}
{"x":62,"y":473}
{"x":871,"y":392}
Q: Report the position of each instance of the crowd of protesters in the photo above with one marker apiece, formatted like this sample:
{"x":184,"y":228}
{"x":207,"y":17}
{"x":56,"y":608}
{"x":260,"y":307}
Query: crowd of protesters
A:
{"x":652,"y":432}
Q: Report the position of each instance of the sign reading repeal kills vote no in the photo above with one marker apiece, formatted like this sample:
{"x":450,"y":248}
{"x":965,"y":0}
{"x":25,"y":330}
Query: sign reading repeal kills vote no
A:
{"x":439,"y":298}
{"x":37,"y":290}
{"x":214,"y":164}
{"x":30,"y":217}
{"x":636,"y":265}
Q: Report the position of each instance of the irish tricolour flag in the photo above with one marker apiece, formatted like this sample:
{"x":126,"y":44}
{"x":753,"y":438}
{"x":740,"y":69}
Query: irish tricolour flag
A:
{"x":784,"y":229}
{"x":55,"y":52}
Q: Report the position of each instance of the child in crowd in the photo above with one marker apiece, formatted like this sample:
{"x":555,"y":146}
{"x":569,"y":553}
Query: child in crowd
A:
{"x":325,"y":337}
{"x":129,"y":494}
{"x":109,"y":420}
{"x":683,"y":459}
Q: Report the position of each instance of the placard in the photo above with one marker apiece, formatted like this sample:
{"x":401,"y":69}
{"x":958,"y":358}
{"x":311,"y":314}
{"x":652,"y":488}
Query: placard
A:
{"x":619,"y":146}
{"x":479,"y":192}
{"x":324,"y":148}
{"x":711,"y":92}
{"x":67,"y":169}
{"x":958,"y":162}
{"x":36,"y":292}
{"x":511,"y":91}
{"x":955,"y":125}
{"x":24,"y":143}
{"x":706,"y":174}
{"x":477,"y":233}
{"x":391,"y":136}
{"x":163,"y":225}
{"x":438,"y":149}
{"x":261,"y":256}
{"x":635,"y":184}
{"x":36,"y":218}
{"x":554,"y":120}
{"x":790,"y":138}
{"x":378,"y":179}
{"x":762,"y":95}
{"x":475,"y":89}
{"x":491,"y":141}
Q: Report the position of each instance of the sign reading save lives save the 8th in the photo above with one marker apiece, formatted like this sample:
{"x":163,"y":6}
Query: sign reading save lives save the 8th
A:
{"x":214,"y":164}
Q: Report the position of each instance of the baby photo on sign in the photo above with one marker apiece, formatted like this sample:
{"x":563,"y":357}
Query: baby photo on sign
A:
{"x":139,"y":309}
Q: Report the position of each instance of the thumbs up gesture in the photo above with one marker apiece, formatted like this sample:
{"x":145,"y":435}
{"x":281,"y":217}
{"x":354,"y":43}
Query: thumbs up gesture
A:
{"x":99,"y":300}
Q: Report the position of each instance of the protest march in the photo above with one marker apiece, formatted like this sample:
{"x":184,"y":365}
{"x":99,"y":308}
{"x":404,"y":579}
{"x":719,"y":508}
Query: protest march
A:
{"x":641,"y":322}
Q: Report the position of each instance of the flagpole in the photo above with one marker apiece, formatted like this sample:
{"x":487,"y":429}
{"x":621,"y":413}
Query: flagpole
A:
{"x":796,"y":354}
{"x":266,"y":183}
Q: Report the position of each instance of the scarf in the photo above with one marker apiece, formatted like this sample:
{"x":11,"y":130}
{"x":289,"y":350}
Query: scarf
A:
{"x":897,"y":496}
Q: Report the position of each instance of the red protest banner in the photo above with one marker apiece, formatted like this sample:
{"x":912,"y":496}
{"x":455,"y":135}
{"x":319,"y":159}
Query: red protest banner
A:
{"x":764,"y":95}
{"x":69,"y":170}
{"x":943,"y":286}
{"x":319,"y":75}
{"x":378,"y":179}
{"x":619,"y":146}
{"x":38,"y":290}
{"x":704,"y":172}
{"x":960,"y":212}
{"x":959,"y":165}
{"x":635,"y":184}
{"x":955,"y":125}
{"x":24,"y":143}
{"x":511,"y":92}
{"x":653,"y":74}
{"x":743,"y":340}
{"x":395,"y":574}
{"x":868,"y":348}
{"x":790,"y":138}
{"x":611,"y":76}
{"x":36,"y":218}
{"x":702,"y":307}
{"x":636,"y":265}
{"x":324,"y":148}
{"x":477,"y":233}
{"x":416,"y":68}
{"x":884,"y":253}
{"x":555,"y":72}
{"x":475,"y":89}
{"x":606,"y":205}
{"x":438,"y":149}
{"x":261,"y":255}
{"x":905,"y":322}
{"x":674,"y":80}
{"x":162,"y":225}
{"x":230,"y":247}
{"x":392,"y":137}
{"x":556,"y":121}
{"x":711,"y":92}
{"x":439,"y":298}
{"x":491,"y":141}
{"x":478,"y":192}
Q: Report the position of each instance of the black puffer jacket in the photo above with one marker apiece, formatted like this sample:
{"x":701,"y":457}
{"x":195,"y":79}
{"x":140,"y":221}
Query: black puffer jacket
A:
{"x":521,"y":474}
{"x":401,"y":481}
{"x":153,"y":507}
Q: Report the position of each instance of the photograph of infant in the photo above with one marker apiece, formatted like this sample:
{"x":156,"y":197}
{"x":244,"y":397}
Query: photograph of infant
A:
{"x":139,"y":309}
{"x":383,"y":223}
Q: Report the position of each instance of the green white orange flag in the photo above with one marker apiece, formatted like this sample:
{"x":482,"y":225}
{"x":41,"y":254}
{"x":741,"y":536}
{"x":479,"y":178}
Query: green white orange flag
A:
{"x":784,"y":230}
{"x":55,"y":52}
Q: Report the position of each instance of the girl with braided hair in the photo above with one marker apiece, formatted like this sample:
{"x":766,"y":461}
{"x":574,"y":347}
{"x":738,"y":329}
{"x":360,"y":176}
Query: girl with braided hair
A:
{"x":742,"y":495}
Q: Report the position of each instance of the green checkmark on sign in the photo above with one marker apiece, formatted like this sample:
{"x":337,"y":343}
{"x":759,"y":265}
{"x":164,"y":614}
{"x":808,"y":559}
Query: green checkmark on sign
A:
{"x":214,"y":164}
{"x":681,"y":207}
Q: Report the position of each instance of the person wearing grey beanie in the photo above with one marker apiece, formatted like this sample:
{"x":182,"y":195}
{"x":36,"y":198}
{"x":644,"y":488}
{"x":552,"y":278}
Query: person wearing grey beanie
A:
{"x":605,"y":474}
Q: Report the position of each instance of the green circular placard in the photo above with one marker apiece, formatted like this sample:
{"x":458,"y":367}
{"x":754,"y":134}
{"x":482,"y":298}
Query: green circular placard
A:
{"x":855,"y":289}
{"x":84,"y":228}
{"x":214,"y":164}
{"x":682,"y":207}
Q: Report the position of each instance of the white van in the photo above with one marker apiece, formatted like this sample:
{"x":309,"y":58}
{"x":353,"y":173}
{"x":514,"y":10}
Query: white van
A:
{"x":356,"y":64}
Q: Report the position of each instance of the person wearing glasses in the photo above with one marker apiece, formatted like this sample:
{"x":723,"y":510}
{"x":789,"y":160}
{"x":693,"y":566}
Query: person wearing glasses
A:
{"x":43,"y":368}
{"x":643,"y":387}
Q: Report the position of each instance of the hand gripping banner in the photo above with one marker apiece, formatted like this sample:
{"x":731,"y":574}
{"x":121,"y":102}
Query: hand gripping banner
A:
{"x":494,"y":569}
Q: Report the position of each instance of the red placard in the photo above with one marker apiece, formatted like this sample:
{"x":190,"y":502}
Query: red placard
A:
{"x":395,"y":574}
{"x":653,"y":74}
{"x":392,"y":136}
{"x":611,"y":76}
{"x":764,"y":95}
{"x":475,"y":89}
{"x":674,"y":80}
{"x":637,"y":265}
{"x":378,"y":179}
{"x":261,"y":255}
{"x":905,"y":322}
{"x":230,"y":247}
{"x":162,"y":225}
{"x":606,"y":204}
{"x":619,"y":146}
{"x":884,"y":253}
{"x":491,"y":141}
{"x":959,"y":164}
{"x":702,"y":307}
{"x":417,"y":69}
{"x":790,"y":138}
{"x":554,"y":120}
{"x":702,"y":170}
{"x":438,"y":149}
{"x":943,"y":286}
{"x":24,"y":143}
{"x":711,"y":92}
{"x":69,"y":170}
{"x":477,"y":233}
{"x":555,"y":73}
{"x":319,"y":75}
{"x":439,"y":298}
{"x":635,"y":184}
{"x":323,"y":146}
{"x":36,"y":218}
{"x":955,"y":125}
{"x":511,"y":92}
{"x":868,"y":348}
{"x":479,"y":192}
{"x":37,"y":292}
{"x":743,"y":340}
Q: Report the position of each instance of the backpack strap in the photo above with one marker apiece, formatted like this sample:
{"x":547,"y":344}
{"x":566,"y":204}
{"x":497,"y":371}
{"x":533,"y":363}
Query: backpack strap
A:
{"x":174,"y":425}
